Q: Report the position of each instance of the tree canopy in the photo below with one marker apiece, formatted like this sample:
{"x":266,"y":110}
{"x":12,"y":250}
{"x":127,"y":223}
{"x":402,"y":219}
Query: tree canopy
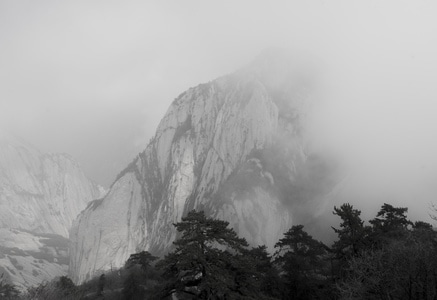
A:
{"x":391,"y":258}
{"x":201,"y":263}
{"x":352,"y":232}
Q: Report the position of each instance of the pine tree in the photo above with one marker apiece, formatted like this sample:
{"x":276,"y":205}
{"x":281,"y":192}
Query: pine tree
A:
{"x":206,"y":260}
{"x":391,"y":218}
{"x":352,"y":232}
{"x":390,"y":223}
{"x":143,"y":258}
{"x":301,"y":260}
{"x":139,"y":268}
{"x":264,"y":275}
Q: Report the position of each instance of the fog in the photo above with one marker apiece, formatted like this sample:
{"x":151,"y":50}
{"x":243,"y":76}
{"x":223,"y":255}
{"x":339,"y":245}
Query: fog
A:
{"x":93,"y":79}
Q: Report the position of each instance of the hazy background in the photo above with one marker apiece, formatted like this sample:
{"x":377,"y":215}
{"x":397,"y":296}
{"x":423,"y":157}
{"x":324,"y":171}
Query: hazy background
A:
{"x":93,"y":78}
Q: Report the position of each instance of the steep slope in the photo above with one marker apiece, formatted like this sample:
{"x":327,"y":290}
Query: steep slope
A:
{"x":234,"y":147}
{"x":27,"y":259}
{"x":40,"y":196}
{"x":41,"y":192}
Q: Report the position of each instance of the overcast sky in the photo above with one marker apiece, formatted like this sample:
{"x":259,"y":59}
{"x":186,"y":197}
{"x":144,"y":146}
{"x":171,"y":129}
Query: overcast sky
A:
{"x":93,"y":78}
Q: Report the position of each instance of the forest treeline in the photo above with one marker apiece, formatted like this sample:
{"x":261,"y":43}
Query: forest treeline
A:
{"x":390,"y":258}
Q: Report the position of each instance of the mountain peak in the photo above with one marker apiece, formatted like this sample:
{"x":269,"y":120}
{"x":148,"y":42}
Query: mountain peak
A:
{"x":234,"y":148}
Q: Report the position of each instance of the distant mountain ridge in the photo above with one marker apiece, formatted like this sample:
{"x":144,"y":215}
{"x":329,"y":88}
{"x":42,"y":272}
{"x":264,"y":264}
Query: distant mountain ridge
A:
{"x":41,"y":192}
{"x":40,"y":196}
{"x":234,"y":147}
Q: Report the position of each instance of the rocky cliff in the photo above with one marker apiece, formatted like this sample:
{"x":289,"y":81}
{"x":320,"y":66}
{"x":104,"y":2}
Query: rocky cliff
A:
{"x":234,"y":147}
{"x":40,"y":192}
{"x":40,"y":196}
{"x":27,"y":258}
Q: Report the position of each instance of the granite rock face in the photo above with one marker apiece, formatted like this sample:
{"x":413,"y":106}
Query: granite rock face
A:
{"x":234,"y":147}
{"x":39,"y":192}
{"x":27,"y":259}
{"x":40,"y":196}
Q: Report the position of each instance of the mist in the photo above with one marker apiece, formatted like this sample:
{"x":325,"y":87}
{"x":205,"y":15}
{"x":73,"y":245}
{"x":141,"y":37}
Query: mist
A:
{"x":93,"y":79}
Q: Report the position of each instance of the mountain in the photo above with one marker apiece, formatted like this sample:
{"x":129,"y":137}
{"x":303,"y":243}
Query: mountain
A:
{"x":40,"y":192}
{"x":40,"y":196}
{"x":234,"y":147}
{"x":28,"y":258}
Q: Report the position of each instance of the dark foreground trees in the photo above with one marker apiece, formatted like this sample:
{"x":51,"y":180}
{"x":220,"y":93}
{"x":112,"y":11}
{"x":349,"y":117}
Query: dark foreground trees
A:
{"x":387,"y":258}
{"x":209,"y":261}
{"x":139,"y":269}
{"x":399,"y":261}
{"x":60,"y":288}
{"x":351,"y":234}
{"x":302,"y":263}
